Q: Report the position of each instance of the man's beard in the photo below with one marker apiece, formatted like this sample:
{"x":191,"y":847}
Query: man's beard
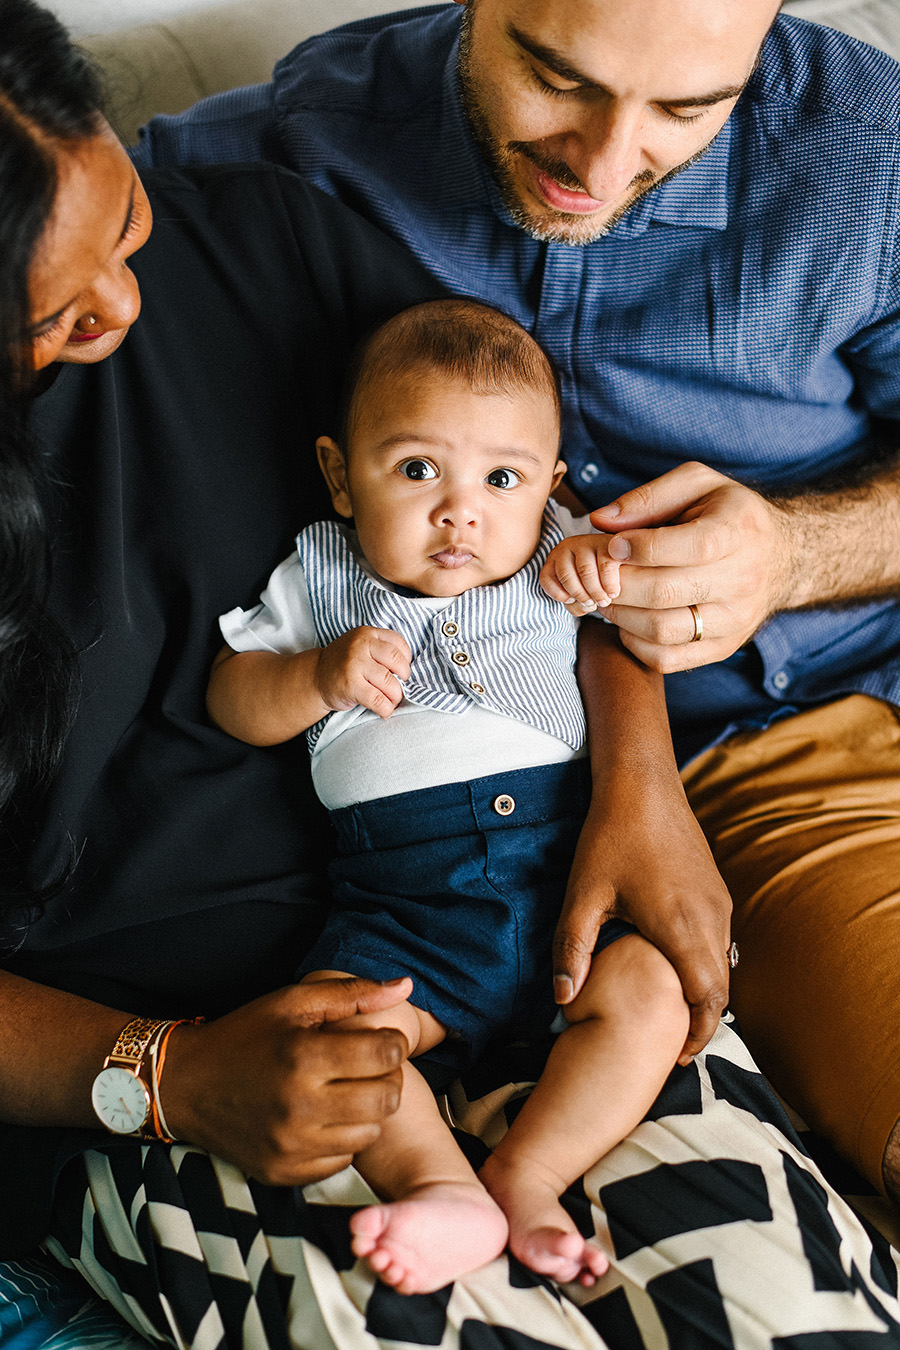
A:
{"x":549,"y":226}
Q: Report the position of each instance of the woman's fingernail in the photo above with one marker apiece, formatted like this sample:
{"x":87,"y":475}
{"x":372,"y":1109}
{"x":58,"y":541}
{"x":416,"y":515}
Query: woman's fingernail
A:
{"x":562,"y":988}
{"x":614,"y":509}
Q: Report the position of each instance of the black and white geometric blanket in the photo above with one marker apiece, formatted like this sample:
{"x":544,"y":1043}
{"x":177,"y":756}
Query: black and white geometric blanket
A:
{"x":721,"y":1230}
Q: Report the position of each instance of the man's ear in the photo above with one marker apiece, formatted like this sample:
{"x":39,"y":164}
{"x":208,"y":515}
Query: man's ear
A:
{"x":559,"y":474}
{"x":334,"y":467}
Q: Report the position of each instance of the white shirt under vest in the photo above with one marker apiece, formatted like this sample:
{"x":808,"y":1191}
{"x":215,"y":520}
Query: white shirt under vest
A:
{"x":511,"y":703}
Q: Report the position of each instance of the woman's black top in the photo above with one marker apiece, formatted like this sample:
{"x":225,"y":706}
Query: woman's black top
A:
{"x":181,"y":469}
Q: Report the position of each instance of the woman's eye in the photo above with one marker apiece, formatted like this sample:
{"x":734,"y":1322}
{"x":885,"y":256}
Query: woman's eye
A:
{"x":503,"y":478}
{"x":48,"y":329}
{"x":419,"y":470}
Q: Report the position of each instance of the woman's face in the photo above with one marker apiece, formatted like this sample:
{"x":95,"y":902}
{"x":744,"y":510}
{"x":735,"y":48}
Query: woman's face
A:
{"x":84,"y":297}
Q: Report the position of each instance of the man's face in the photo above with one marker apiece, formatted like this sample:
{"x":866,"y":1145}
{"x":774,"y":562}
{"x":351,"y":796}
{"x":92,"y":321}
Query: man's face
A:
{"x":581,"y":106}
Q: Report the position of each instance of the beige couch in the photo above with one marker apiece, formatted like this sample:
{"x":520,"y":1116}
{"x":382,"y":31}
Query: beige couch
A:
{"x":167,"y":65}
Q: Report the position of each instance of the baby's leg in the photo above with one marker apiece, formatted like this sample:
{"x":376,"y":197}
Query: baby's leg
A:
{"x":627,"y":1026}
{"x":441,"y":1222}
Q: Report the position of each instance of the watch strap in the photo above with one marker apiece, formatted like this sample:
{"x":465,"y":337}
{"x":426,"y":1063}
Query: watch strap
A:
{"x":132,"y":1042}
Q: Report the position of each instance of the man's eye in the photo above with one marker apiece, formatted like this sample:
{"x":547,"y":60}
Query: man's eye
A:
{"x":503,"y":478}
{"x":419,"y":470}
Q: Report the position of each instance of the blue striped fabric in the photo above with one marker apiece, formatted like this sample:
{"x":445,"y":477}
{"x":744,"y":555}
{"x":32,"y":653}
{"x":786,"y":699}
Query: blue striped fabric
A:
{"x":746,"y":313}
{"x":518,"y":645}
{"x":44,"y":1307}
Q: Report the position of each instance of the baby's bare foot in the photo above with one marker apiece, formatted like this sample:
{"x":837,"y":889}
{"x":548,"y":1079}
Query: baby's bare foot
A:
{"x":433,"y":1236}
{"x":541,"y":1234}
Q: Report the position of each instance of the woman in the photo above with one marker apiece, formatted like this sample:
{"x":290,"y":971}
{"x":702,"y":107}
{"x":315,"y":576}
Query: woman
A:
{"x":158,"y":870}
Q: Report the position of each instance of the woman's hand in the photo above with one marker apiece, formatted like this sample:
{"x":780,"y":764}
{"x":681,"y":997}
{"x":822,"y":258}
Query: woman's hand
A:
{"x":282,"y":1089}
{"x":642,"y":857}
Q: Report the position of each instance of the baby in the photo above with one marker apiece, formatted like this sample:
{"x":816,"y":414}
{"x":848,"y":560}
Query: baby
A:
{"x":435,"y":679}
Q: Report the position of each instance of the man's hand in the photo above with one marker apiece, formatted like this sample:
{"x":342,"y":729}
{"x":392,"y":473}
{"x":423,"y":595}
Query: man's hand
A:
{"x":280,"y":1088}
{"x":363,"y":667}
{"x":642,"y":857}
{"x":695,"y":537}
{"x":580,"y":573}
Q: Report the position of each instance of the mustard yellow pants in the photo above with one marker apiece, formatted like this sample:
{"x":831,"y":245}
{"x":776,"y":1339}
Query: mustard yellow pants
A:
{"x":804,"y":822}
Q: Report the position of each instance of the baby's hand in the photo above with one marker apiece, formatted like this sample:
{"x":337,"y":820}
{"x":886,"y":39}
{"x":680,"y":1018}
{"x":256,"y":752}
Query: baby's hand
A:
{"x":581,"y":574}
{"x":363,"y":667}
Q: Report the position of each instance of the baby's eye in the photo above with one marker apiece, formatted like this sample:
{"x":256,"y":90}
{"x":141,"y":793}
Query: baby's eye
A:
{"x":419,"y":470}
{"x":503,"y":478}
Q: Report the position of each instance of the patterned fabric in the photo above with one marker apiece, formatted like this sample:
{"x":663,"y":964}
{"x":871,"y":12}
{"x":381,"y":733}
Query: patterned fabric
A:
{"x":43,"y":1307}
{"x":508,"y":648}
{"x":721,"y":1230}
{"x":745,"y":313}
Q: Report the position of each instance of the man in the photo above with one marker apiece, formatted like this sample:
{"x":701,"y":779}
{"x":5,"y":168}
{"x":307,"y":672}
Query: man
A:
{"x":694,"y":208}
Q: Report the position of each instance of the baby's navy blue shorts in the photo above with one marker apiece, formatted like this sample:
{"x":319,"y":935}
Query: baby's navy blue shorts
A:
{"x":460,"y":887}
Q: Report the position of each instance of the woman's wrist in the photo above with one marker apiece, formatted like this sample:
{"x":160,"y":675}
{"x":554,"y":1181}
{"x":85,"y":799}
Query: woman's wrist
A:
{"x":178,"y":1086}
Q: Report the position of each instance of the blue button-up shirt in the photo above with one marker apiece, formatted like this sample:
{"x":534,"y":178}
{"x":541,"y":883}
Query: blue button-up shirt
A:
{"x":745,"y":313}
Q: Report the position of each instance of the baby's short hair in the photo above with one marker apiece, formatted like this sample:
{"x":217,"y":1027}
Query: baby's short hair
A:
{"x":465,"y":338}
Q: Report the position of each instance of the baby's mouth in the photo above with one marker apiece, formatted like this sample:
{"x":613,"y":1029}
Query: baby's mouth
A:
{"x":452,"y":557}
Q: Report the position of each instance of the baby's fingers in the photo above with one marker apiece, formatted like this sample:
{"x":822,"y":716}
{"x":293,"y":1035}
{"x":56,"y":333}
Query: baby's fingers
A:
{"x":380,"y":691}
{"x":391,"y":650}
{"x":574,"y":578}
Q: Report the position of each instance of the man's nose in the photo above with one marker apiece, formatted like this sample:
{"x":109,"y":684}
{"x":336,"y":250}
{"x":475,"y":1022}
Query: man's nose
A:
{"x":605,"y":152}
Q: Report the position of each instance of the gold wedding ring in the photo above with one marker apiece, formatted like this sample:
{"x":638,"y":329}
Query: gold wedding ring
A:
{"x":698,"y":623}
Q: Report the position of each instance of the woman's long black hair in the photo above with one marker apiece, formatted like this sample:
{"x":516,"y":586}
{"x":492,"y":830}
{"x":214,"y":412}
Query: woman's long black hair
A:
{"x":49,"y":93}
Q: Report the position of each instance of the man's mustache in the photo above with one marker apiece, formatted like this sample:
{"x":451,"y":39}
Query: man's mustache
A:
{"x":559,"y":171}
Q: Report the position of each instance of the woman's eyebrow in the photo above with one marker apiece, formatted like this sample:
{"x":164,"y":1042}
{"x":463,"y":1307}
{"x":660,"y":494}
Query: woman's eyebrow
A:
{"x":36,"y":328}
{"x":555,"y":61}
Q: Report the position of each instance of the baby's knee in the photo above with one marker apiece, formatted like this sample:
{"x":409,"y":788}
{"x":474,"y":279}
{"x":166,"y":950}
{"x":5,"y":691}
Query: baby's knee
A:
{"x":631,"y":979}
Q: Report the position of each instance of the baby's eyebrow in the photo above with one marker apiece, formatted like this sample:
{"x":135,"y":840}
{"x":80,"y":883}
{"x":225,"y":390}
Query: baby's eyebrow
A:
{"x":408,"y":438}
{"x":493,"y":454}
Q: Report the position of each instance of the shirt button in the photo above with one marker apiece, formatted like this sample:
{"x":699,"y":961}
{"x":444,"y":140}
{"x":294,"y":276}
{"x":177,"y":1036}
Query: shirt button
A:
{"x":460,"y":658}
{"x":450,"y":629}
{"x":589,"y":472}
{"x":504,"y":805}
{"x":781,"y":679}
{"x":477,"y":688}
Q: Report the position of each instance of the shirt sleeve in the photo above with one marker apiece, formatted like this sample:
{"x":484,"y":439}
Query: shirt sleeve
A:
{"x":232,"y":127}
{"x":281,"y":622}
{"x":572,"y":525}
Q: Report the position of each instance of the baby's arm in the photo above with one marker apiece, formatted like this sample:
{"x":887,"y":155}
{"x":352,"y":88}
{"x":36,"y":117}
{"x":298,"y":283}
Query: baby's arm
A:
{"x":580,"y":573}
{"x":266,"y":697}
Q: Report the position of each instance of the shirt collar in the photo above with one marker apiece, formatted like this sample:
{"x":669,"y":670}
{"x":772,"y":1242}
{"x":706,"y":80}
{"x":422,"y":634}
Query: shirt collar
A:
{"x":698,"y":196}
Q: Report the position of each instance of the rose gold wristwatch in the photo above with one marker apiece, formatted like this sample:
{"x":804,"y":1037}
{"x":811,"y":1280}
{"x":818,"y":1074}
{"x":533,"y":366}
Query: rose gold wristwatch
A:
{"x":120,"y":1097}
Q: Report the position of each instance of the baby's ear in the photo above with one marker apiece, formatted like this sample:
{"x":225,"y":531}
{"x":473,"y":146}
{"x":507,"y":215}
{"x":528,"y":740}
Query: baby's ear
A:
{"x":334,"y":467}
{"x":559,"y":474}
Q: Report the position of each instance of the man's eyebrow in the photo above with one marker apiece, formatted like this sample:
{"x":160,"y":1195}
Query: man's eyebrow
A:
{"x":560,"y":65}
{"x":36,"y":328}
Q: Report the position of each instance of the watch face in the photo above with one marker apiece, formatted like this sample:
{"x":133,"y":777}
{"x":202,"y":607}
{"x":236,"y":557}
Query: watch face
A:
{"x":121,"y":1100}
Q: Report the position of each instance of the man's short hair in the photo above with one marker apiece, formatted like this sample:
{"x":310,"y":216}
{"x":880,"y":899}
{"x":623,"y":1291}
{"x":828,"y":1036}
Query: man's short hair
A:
{"x":465,"y":339}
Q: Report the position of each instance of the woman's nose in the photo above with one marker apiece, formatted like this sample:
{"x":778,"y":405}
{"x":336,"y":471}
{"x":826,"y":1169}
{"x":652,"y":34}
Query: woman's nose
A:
{"x":113,"y":302}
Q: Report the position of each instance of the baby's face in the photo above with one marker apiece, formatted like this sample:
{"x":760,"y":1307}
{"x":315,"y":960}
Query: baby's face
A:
{"x":446,"y":486}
